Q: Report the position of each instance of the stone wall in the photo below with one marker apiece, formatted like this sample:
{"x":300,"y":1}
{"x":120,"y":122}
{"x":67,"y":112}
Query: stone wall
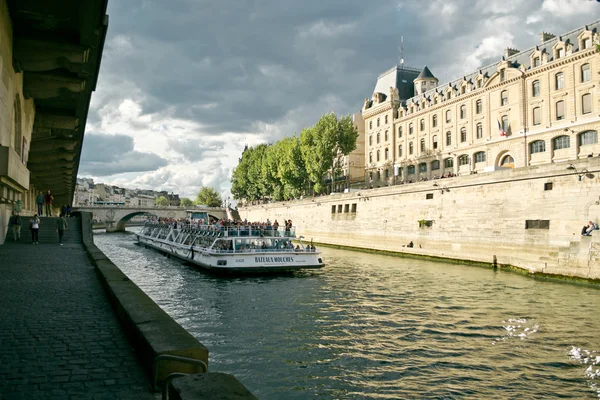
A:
{"x":528,"y":217}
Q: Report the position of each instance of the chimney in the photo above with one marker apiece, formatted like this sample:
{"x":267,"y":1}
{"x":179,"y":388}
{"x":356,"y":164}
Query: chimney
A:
{"x":545,"y":36}
{"x":510,"y":52}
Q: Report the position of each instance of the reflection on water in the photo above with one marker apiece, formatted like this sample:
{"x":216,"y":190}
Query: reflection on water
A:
{"x":379,"y":327}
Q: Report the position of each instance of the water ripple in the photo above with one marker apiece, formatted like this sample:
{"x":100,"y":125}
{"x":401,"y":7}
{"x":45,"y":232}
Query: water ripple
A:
{"x":377,"y":327}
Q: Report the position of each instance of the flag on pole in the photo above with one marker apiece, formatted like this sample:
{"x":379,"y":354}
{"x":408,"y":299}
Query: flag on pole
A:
{"x":501,"y":129}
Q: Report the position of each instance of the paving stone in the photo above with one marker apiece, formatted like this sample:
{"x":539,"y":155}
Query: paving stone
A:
{"x":60,"y":337}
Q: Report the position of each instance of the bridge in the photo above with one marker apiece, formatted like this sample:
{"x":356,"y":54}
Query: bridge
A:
{"x":115,"y":217}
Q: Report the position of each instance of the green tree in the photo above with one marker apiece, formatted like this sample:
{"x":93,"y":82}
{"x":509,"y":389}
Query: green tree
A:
{"x":322,"y":144}
{"x":161,"y":201}
{"x":290,"y":168}
{"x":208,"y":196}
{"x":185,"y":202}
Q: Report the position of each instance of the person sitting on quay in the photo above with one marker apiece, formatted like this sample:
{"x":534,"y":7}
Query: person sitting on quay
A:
{"x":588,"y":229}
{"x":411,"y":244}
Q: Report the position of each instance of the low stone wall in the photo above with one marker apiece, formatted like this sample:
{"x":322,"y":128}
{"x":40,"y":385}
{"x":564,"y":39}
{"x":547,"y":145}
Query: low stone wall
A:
{"x":529,"y":218}
{"x":153,"y":332}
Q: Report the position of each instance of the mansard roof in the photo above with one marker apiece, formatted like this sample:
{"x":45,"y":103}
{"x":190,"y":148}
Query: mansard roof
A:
{"x":400,"y":77}
{"x":425,"y":74}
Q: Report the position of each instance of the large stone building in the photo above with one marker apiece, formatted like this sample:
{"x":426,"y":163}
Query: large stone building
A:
{"x":532,"y":107}
{"x":49,"y":62}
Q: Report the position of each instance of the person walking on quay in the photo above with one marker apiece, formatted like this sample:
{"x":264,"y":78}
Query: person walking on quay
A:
{"x":39,"y":201}
{"x":15,"y":225}
{"x":34,"y":226}
{"x":48,"y":200}
{"x":61,"y":227}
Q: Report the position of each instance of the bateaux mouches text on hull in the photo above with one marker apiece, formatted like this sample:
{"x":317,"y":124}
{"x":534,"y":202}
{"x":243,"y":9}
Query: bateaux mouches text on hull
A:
{"x":236,"y":249}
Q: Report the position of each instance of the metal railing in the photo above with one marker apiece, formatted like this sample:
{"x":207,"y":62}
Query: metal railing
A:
{"x":170,"y":357}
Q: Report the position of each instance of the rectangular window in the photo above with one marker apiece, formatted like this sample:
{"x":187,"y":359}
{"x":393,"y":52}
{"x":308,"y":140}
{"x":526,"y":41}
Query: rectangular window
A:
{"x":478,"y":107}
{"x":536,"y":62}
{"x":346,"y":208}
{"x":560,"y":53}
{"x":535,"y":88}
{"x":463,"y":136}
{"x":585,"y":43}
{"x":560,"y":81}
{"x":504,"y":98}
{"x":333,"y":209}
{"x":537,"y":116}
{"x":586,"y":73}
{"x":502,"y":75}
{"x":479,"y":131}
{"x":548,"y":186}
{"x":560,"y":110}
{"x":586,"y":103}
{"x":353,"y":207}
{"x":429,"y":196}
{"x":339,"y":209}
{"x":537,"y":224}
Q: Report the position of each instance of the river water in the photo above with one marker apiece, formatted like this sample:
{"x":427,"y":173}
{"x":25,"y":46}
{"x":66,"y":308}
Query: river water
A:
{"x":379,"y":327}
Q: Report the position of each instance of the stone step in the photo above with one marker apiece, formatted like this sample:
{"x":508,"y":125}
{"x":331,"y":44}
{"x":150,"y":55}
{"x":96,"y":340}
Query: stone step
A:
{"x":47,"y":232}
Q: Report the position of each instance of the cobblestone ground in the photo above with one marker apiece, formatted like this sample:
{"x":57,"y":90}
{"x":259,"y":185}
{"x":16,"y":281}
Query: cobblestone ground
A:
{"x":59,"y":338}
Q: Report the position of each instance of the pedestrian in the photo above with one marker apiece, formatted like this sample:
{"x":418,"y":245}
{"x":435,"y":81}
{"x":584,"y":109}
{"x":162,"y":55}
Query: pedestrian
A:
{"x":15,"y":226}
{"x":48,"y":200}
{"x":61,"y":227}
{"x":34,"y":226}
{"x":69,"y":210}
{"x":39,"y":201}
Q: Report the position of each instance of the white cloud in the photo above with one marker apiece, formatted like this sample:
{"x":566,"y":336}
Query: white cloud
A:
{"x":562,"y":8}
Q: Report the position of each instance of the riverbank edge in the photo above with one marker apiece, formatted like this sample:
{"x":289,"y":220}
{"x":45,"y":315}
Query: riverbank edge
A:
{"x":507,"y":267}
{"x":150,"y":330}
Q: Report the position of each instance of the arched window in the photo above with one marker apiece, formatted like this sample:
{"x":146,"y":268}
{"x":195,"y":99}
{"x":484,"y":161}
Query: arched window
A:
{"x":448,"y":162}
{"x":386,"y":119}
{"x":410,"y":148}
{"x":586,"y":73}
{"x":559,"y":81}
{"x":411,"y":170}
{"x":463,"y":160}
{"x":422,"y":145}
{"x":588,"y":137}
{"x":504,"y":98}
{"x":387,"y":153}
{"x":561,"y":142}
{"x":422,"y":125}
{"x":463,"y":112}
{"x":535,"y":88}
{"x":479,"y":156}
{"x":435,"y":164}
{"x":423,"y":167}
{"x":378,"y":155}
{"x":16,"y":138}
{"x":448,"y":116}
{"x":507,"y":162}
{"x":478,"y":106}
{"x":370,"y":157}
{"x":399,"y":131}
{"x":370,"y":140}
{"x":539,"y":146}
{"x":387,"y":136}
{"x":586,"y":103}
{"x":448,"y":138}
{"x":400,"y":150}
{"x":410,"y":128}
{"x":434,"y":142}
{"x":370,"y":124}
{"x":479,"y":130}
{"x":377,"y":121}
{"x":434,"y":121}
{"x":378,"y":137}
{"x":463,"y":135}
{"x":505,"y":124}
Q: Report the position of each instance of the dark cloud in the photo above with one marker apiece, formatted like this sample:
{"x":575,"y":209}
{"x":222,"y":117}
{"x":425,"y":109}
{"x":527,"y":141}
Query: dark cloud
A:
{"x":104,"y":155}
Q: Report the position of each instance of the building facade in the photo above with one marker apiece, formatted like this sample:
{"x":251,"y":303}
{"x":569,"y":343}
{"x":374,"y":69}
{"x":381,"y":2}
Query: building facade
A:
{"x":532,"y":107}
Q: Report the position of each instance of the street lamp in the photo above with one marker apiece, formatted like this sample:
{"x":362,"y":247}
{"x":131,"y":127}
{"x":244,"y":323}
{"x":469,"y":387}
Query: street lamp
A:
{"x":580,"y":174}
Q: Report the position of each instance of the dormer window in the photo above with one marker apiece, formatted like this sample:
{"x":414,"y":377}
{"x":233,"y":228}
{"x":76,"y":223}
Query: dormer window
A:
{"x":560,"y":53}
{"x":536,"y":62}
{"x":586,"y":43}
{"x":479,"y":83}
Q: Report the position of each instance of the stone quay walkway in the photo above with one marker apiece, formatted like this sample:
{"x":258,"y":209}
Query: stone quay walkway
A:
{"x":59,"y":337}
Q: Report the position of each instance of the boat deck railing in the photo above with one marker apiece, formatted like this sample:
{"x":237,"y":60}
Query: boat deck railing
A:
{"x":231,"y":231}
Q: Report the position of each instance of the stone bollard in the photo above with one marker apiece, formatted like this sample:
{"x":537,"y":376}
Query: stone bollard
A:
{"x":211,"y":385}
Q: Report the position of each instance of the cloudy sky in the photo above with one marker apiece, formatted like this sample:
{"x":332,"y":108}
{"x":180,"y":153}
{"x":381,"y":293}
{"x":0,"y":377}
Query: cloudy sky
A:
{"x":184,"y":84}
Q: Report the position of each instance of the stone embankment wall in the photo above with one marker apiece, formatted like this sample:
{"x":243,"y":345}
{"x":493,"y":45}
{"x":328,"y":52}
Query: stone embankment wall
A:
{"x":530,"y":218}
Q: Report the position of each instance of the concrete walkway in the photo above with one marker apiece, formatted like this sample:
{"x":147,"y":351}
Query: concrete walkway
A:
{"x":59,"y":337}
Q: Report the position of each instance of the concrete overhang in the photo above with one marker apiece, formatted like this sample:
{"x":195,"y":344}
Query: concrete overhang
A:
{"x":58,"y":48}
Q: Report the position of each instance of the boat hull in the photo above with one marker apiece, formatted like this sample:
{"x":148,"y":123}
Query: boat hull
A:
{"x":242,"y":262}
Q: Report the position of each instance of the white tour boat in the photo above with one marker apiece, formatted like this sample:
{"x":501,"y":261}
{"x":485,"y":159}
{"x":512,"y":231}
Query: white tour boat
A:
{"x":231,"y":249}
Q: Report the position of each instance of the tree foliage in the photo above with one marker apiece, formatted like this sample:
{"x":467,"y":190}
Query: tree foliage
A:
{"x":162,"y":201}
{"x":284,"y":170}
{"x":208,"y":196}
{"x":186,"y":202}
